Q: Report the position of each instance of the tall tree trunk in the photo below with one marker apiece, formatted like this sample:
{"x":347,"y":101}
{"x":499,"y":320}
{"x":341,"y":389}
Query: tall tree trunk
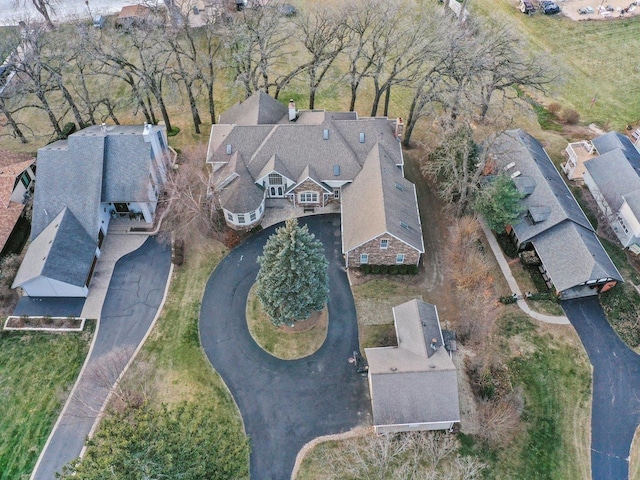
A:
{"x":42,"y":8}
{"x":386,"y":100}
{"x":12,"y":123}
{"x":52,"y":118}
{"x":152,"y":113}
{"x":212,"y":105}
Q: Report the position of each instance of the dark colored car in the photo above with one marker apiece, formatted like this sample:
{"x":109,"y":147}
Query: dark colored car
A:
{"x":549,"y":8}
{"x":527,"y":7}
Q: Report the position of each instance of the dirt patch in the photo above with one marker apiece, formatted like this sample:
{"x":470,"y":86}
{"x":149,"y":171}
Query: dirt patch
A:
{"x":306,"y":325}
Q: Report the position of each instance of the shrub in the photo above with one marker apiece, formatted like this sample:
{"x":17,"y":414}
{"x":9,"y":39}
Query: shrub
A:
{"x":508,"y":299}
{"x":173,"y":132}
{"x":393,"y":269}
{"x":365,"y":268}
{"x":570,"y":116}
{"x":67,"y":130}
{"x":402,"y":269}
{"x":384,"y":268}
{"x":412,"y":269}
{"x":554,"y":108}
{"x":375,"y":269}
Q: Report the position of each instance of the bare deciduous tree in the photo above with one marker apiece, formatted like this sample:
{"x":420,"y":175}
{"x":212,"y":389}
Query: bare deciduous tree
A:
{"x":190,"y":209}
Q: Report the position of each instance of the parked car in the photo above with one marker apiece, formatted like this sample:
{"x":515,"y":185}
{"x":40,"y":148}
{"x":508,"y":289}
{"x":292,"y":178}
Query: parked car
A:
{"x":549,"y":8}
{"x":527,"y":7}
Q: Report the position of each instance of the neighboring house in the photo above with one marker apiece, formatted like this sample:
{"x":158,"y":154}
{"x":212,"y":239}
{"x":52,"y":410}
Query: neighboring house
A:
{"x":613,"y":177}
{"x":97,"y":175}
{"x":413,"y":386}
{"x":263,"y":152}
{"x":17,"y":176}
{"x":552,"y":223}
{"x":132,"y":15}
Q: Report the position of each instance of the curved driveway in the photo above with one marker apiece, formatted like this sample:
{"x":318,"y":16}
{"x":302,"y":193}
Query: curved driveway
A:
{"x":284,"y":404}
{"x":135,"y":293}
{"x":615,"y":411}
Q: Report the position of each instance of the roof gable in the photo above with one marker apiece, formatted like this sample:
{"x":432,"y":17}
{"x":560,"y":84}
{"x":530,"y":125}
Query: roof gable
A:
{"x":388,"y":209}
{"x":258,"y":109}
{"x":63,"y":251}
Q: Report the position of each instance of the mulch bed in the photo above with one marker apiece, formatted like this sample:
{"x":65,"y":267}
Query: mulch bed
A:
{"x":44,"y":322}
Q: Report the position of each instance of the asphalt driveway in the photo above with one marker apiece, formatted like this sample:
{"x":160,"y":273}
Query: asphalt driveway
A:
{"x":135,"y":293}
{"x":284,"y":404}
{"x":616,"y":389}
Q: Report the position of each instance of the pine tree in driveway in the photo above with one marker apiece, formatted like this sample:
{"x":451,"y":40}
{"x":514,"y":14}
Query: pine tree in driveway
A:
{"x":293,"y":280}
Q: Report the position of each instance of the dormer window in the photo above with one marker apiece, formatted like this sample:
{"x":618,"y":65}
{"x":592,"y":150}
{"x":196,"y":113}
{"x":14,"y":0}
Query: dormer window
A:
{"x":275,"y":179}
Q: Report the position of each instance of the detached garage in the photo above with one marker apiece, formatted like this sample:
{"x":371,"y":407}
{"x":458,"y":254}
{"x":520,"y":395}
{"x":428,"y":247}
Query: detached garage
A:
{"x":413,"y":386}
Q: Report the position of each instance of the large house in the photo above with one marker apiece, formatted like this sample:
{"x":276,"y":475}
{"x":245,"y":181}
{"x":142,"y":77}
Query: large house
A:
{"x":99,"y":174}
{"x":613,"y":177}
{"x":17,"y":176}
{"x":263,"y":153}
{"x":413,"y":386}
{"x":552,"y":224}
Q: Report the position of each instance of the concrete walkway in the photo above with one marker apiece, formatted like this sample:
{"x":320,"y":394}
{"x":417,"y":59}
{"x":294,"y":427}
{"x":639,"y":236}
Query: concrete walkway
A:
{"x":137,"y":286}
{"x":513,"y":285}
{"x":113,"y":249}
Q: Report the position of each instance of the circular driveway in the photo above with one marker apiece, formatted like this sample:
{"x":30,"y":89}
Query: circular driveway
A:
{"x":284,"y":404}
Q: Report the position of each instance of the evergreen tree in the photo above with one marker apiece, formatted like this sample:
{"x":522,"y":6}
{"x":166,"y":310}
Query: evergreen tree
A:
{"x":293,"y":279}
{"x":499,"y":202}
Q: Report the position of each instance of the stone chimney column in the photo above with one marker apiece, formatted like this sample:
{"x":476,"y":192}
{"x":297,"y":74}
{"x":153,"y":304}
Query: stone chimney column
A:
{"x":399,"y":128}
{"x":292,"y":110}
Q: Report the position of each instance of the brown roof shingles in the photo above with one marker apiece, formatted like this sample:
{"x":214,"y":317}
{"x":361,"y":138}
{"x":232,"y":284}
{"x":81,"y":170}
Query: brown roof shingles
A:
{"x":11,"y":165}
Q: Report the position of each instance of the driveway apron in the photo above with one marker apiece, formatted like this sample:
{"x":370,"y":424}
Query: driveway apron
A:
{"x":615,"y":410}
{"x":133,"y":298}
{"x":284,"y":404}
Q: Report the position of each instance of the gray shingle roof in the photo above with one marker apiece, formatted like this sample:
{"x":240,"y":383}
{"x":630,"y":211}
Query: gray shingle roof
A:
{"x":573,"y":255}
{"x":550,"y":190}
{"x":563,"y":237}
{"x":69,"y":175}
{"x":617,"y":141}
{"x":91,"y":167}
{"x":373,"y":204}
{"x":258,"y":109}
{"x":412,"y":383}
{"x":614,"y":175}
{"x":63,"y":251}
{"x":244,"y":195}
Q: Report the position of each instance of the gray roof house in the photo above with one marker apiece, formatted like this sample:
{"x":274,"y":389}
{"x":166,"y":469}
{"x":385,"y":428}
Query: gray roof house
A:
{"x":413,"y":386}
{"x":552,"y":223}
{"x":265,"y":154}
{"x":613,"y":177}
{"x":98,"y":176}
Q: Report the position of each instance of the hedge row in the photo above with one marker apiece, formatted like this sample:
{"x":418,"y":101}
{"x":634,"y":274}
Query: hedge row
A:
{"x":389,"y":269}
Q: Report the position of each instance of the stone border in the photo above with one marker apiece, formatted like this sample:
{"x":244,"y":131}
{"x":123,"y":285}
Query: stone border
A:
{"x":44,"y":329}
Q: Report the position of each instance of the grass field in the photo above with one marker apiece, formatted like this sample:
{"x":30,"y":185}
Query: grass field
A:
{"x":594,"y":59}
{"x":282,"y":342}
{"x":37,"y":371}
{"x":179,"y":368}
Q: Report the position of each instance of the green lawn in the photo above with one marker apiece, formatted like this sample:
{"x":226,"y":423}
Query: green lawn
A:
{"x":172,"y":365}
{"x":37,"y":371}
{"x":552,"y":370}
{"x":593,"y":59}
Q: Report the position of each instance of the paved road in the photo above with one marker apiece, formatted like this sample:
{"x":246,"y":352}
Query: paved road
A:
{"x":284,"y":404}
{"x":616,"y":389}
{"x":134,"y":294}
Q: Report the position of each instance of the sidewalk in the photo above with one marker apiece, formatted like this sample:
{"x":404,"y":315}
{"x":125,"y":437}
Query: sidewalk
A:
{"x":513,"y":285}
{"x":113,"y":249}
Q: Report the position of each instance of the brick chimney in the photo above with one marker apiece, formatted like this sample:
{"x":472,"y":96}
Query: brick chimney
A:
{"x":399,"y":128}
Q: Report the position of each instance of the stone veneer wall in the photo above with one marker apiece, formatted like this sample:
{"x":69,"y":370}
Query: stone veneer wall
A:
{"x":309,"y":186}
{"x":379,"y":256}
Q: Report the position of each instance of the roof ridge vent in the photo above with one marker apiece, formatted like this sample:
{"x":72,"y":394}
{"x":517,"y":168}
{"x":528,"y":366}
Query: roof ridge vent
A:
{"x":515,"y":174}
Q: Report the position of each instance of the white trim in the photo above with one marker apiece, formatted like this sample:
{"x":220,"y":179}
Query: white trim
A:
{"x":314,"y":181}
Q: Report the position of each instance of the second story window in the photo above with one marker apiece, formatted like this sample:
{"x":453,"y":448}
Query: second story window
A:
{"x":384,"y":243}
{"x":275,"y":179}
